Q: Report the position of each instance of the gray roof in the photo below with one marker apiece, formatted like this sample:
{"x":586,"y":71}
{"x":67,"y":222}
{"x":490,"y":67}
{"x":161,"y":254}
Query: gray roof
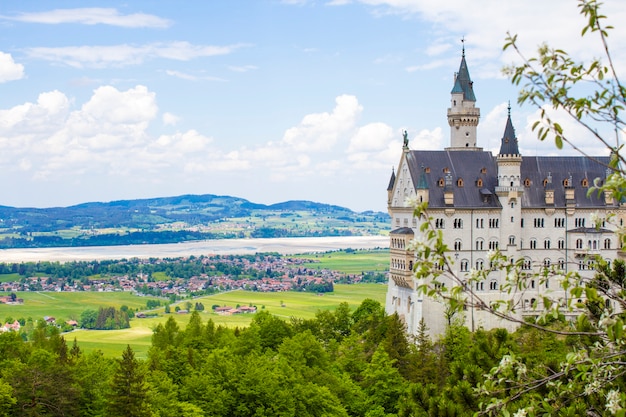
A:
{"x":561,"y":168}
{"x":474,"y":178}
{"x":402,"y":231}
{"x":392,"y":180}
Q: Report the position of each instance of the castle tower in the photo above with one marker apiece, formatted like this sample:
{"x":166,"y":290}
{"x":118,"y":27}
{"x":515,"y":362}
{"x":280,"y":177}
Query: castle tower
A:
{"x":509,"y":188}
{"x":463,"y":116}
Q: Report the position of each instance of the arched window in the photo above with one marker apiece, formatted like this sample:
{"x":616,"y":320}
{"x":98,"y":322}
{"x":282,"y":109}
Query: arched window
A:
{"x":527,"y":182}
{"x":585,"y":182}
{"x":441,"y":182}
{"x":579,"y":243}
{"x":607,"y":243}
{"x":479,"y":182}
{"x":479,"y":244}
{"x":546,"y":244}
{"x":459,"y":182}
{"x":457,"y":245}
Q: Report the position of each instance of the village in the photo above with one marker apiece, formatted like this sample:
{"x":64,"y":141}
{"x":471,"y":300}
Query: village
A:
{"x":261,"y":272}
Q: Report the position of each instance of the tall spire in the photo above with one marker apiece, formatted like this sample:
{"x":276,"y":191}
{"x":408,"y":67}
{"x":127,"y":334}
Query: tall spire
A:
{"x":508,"y":145}
{"x":462,"y":82}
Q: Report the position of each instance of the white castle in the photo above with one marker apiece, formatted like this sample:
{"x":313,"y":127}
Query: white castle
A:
{"x":534,"y":208}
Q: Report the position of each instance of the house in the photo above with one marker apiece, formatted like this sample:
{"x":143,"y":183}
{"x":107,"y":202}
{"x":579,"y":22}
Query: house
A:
{"x":533,"y":208}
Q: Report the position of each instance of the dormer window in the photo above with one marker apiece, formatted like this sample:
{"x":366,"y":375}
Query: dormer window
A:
{"x":441,"y":182}
{"x":585,"y":182}
{"x":527,"y":182}
{"x":427,"y":170}
{"x":479,"y":182}
{"x":459,"y":182}
{"x":566,"y":182}
{"x":446,"y":170}
{"x":483,"y":170}
{"x":545,"y":182}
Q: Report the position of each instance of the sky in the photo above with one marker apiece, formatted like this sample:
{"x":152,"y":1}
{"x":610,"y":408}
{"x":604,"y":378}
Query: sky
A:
{"x":267,"y":100}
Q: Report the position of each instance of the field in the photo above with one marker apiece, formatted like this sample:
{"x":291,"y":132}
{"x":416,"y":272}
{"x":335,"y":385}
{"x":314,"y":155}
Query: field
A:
{"x":113,"y":342}
{"x":350,"y":262}
{"x":66,"y":305}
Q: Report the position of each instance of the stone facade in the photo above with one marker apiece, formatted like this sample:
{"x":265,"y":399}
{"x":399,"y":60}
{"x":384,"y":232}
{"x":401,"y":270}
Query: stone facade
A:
{"x":534,"y":208}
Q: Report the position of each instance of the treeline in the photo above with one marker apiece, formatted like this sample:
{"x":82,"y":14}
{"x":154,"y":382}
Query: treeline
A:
{"x":341,"y":363}
{"x":105,"y":318}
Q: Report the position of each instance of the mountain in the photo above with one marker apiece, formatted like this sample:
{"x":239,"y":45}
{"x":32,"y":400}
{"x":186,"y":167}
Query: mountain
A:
{"x":176,"y":219}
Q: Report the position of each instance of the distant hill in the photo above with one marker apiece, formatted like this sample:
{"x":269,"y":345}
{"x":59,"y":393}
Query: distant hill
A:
{"x":176,"y":219}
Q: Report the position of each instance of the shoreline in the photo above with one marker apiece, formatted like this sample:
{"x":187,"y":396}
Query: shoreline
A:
{"x":283,"y":246}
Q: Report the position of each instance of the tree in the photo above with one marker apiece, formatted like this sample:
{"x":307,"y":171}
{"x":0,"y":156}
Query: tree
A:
{"x":589,"y":380}
{"x":128,"y":388}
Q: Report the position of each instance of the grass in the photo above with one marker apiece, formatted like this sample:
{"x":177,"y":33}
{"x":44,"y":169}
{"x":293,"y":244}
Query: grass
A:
{"x":296,"y":304}
{"x":67,"y":305}
{"x":350,"y":262}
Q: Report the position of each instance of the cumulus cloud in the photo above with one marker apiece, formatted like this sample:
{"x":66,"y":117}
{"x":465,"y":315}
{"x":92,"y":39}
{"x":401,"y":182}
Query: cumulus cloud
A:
{"x":92,"y":16}
{"x":320,"y":131}
{"x":9,"y":69}
{"x":125,"y":55}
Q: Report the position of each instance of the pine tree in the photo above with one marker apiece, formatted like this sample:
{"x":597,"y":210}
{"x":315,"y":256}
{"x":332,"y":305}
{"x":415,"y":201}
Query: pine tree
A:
{"x":128,"y":390}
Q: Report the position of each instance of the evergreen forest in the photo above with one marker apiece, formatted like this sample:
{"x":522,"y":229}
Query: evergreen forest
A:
{"x":344,"y":363}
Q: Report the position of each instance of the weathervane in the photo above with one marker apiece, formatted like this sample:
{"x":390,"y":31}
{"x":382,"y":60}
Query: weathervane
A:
{"x":463,"y":42}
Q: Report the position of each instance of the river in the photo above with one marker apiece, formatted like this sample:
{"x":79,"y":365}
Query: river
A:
{"x":285,"y":246}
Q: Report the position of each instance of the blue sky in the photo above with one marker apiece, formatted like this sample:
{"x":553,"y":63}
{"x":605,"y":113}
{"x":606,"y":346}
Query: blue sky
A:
{"x":267,"y":100}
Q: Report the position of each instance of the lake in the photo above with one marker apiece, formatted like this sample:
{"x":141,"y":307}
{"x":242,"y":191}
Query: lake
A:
{"x":283,"y":246}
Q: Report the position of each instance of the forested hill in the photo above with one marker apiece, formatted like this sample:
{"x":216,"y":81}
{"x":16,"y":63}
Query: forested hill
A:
{"x":177,"y":219}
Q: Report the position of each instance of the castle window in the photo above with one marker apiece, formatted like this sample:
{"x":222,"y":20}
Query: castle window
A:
{"x":446,"y":170}
{"x":533,"y":243}
{"x":427,"y":170}
{"x":479,"y":244}
{"x":457,"y":245}
{"x":480,"y":223}
{"x":458,"y":223}
{"x":546,"y":244}
{"x":579,"y":222}
{"x":493,"y":285}
{"x":494,"y":223}
{"x":561,"y":263}
{"x":527,"y":264}
{"x":459,"y":182}
{"x":521,"y":223}
{"x":464,"y":265}
{"x":511,"y":240}
{"x":441,"y":182}
{"x":546,"y":263}
{"x":538,"y":222}
{"x":479,"y":182}
{"x":566,"y":182}
{"x":479,"y":265}
{"x":545,"y":182}
{"x":607,"y":243}
{"x":480,"y":286}
{"x":559,"y":222}
{"x":585,"y":182}
{"x":439,"y":224}
{"x":527,"y":182}
{"x":561,"y":244}
{"x":493,"y":245}
{"x":579,"y":243}
{"x":483,"y":170}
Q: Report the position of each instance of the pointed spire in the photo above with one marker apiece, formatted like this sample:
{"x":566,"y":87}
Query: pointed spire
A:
{"x":392,"y":180}
{"x":508,"y":145}
{"x":462,"y":82}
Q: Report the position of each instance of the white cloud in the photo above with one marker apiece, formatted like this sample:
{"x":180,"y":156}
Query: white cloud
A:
{"x":125,"y":55}
{"x":9,"y":69}
{"x":321,"y":131}
{"x":170,"y":119}
{"x":191,"y":77}
{"x":243,"y":68}
{"x":371,"y":137}
{"x":92,"y":16}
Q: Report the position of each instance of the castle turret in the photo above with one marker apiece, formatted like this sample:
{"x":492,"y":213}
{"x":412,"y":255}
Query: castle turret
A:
{"x":463,"y":116}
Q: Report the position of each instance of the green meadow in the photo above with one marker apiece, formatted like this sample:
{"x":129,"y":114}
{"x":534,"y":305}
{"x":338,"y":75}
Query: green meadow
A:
{"x":138,"y":336}
{"x":67,"y":305}
{"x":350,"y":262}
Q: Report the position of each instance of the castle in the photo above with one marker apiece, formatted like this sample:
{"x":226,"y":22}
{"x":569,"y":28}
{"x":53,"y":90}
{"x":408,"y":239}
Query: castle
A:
{"x":534,"y":208}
